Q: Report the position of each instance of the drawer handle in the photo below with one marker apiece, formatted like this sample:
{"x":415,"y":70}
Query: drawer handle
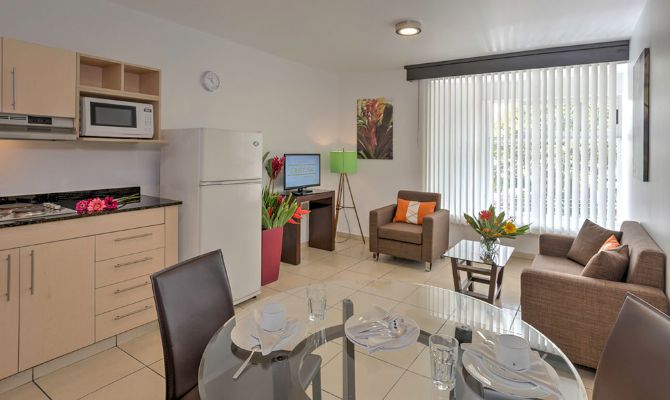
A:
{"x":121,"y":239}
{"x":122,"y":316}
{"x":14,"y":88}
{"x":119,"y":291}
{"x":9,"y":276}
{"x":125,"y":264}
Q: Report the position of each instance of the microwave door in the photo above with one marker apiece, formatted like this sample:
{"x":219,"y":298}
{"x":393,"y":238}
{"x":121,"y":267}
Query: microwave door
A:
{"x":111,"y":118}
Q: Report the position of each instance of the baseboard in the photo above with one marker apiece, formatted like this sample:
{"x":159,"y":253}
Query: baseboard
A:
{"x":351,"y":235}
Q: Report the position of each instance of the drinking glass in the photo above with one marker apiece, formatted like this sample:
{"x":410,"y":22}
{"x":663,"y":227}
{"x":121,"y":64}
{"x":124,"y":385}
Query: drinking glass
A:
{"x":443,"y":361}
{"x":316,"y":302}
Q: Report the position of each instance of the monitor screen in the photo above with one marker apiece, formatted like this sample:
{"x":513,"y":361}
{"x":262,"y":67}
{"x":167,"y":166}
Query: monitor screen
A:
{"x":302,"y":170}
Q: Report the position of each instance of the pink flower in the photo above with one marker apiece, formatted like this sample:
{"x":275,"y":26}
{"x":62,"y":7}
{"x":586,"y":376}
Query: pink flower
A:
{"x":110,"y":203}
{"x":82,"y":206}
{"x":95,"y":205}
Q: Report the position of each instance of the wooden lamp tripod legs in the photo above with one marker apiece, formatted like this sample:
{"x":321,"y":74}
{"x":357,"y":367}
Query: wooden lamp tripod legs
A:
{"x":344,"y":178}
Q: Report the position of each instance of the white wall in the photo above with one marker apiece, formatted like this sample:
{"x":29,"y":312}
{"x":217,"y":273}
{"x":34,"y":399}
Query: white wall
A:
{"x":294,"y":105}
{"x":377,"y":182}
{"x":648,"y":202}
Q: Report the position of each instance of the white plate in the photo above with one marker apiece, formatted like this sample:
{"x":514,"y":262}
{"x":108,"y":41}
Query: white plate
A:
{"x":241,"y":334}
{"x":397,"y":344}
{"x":482,"y":371}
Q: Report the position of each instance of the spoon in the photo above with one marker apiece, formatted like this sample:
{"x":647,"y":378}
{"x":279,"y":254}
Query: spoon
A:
{"x":246,"y":362}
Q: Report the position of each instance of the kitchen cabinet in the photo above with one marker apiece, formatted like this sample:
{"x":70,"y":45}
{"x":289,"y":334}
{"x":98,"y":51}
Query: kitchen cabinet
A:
{"x":57,"y":299}
{"x":9,"y":312}
{"x":38,"y":80}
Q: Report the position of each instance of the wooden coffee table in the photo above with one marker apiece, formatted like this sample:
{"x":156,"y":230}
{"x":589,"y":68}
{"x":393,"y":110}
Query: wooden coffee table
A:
{"x":465,"y":255}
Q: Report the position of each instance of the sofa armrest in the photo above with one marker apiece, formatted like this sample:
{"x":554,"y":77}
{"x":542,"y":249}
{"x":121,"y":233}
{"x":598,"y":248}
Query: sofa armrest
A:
{"x":577,"y":313}
{"x":555,"y":245}
{"x":435,"y":236}
{"x":380,"y":216}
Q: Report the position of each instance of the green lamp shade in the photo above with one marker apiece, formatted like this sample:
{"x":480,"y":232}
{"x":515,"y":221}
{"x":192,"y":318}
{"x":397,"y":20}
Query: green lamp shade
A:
{"x":343,"y":162}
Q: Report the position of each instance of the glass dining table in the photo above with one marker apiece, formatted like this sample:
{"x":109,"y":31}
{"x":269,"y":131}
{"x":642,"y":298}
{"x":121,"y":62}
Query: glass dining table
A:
{"x":349,"y":372}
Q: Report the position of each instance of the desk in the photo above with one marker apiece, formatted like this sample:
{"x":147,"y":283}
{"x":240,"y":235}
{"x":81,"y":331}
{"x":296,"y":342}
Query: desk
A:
{"x":321,"y":232}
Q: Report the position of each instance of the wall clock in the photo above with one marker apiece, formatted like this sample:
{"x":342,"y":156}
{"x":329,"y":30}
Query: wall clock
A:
{"x":210,"y":81}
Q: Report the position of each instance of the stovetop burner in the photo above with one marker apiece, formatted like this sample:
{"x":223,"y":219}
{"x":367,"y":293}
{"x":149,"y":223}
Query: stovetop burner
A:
{"x":10,"y":212}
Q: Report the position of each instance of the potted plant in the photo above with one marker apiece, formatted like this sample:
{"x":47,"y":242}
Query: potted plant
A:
{"x":278,"y":210}
{"x":491,"y":228}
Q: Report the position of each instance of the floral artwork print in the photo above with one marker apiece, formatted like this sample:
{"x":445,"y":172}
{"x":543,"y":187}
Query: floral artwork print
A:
{"x":374,"y":129}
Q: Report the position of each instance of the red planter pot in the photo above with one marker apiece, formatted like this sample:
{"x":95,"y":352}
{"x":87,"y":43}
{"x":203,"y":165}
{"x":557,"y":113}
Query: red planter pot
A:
{"x":271,"y":254}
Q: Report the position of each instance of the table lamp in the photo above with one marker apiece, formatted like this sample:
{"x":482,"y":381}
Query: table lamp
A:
{"x":344,"y":162}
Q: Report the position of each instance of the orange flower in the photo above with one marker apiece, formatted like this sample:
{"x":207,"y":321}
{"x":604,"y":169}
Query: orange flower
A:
{"x":510,"y":228}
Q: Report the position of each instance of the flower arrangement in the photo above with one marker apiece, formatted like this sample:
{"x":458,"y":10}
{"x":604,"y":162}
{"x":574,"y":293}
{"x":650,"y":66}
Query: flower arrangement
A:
{"x":278,"y":209}
{"x":108,"y":203}
{"x":492,"y":226}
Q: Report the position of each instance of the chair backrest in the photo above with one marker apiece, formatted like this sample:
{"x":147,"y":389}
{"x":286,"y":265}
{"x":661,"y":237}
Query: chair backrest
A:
{"x":635,"y":361}
{"x":647,"y":260}
{"x":421,"y":196}
{"x":193,"y":301}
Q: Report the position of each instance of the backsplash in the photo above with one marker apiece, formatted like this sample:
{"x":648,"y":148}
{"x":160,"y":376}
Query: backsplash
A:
{"x":28,"y":167}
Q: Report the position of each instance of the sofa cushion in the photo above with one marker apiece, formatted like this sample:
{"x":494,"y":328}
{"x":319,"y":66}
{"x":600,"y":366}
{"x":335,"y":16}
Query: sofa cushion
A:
{"x":413,"y":212}
{"x":590,"y":238}
{"x":401,"y":232}
{"x":557,"y":264}
{"x":610,"y":265}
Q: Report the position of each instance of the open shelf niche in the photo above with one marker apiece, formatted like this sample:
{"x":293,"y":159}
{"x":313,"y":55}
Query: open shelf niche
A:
{"x":109,"y":79}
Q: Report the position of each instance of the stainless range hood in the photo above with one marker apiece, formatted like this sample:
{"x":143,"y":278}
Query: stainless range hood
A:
{"x":17,"y":126}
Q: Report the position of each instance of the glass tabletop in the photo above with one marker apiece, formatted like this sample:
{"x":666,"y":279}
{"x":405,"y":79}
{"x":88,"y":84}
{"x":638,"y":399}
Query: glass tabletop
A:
{"x":471,"y":251}
{"x":348,"y":371}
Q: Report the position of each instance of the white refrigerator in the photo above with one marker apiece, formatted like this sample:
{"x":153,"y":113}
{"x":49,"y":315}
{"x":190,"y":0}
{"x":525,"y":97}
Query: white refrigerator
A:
{"x":217,"y":174}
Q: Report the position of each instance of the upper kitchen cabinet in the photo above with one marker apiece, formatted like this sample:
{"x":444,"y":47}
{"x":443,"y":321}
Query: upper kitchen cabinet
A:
{"x":38,"y":80}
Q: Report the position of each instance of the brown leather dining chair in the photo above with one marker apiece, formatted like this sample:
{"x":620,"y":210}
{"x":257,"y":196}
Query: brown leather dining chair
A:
{"x":193,"y":300}
{"x":635,"y":361}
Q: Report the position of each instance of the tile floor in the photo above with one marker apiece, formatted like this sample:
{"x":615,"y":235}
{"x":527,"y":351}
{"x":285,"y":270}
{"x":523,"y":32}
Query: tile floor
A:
{"x":134,"y":370}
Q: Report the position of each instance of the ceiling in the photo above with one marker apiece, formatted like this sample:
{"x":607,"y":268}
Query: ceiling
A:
{"x":358,"y":35}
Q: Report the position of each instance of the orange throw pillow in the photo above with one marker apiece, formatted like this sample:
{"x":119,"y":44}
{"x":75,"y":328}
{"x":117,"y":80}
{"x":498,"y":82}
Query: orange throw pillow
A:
{"x":610,"y":244}
{"x":412,"y":212}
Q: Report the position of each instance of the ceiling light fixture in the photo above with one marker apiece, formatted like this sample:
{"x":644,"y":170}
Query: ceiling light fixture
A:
{"x":408,"y":28}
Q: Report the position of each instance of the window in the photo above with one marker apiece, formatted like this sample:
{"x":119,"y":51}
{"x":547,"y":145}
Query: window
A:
{"x":543,"y":145}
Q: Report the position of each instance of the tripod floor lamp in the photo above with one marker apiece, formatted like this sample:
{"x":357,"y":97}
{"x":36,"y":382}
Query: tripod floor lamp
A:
{"x":344,"y":163}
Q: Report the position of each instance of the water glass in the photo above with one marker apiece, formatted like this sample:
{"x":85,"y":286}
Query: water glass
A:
{"x":443,"y":361}
{"x":316,"y":302}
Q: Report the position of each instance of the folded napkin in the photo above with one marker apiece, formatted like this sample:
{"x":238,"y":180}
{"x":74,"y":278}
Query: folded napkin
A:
{"x":378,"y":317}
{"x":271,"y":341}
{"x":538,"y":377}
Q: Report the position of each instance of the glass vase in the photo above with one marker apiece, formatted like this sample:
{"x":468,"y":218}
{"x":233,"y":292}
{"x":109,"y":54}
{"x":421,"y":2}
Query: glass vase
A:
{"x":489,"y":248}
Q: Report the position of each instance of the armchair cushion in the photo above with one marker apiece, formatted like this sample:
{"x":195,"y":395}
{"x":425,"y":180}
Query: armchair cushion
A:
{"x":590,"y":238}
{"x":413,"y":212}
{"x":401,"y":232}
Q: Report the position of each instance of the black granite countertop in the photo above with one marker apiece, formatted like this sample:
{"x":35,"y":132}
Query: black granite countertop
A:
{"x":69,"y":199}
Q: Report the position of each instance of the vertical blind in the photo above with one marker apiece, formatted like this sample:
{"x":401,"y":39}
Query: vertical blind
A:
{"x":540,"y":144}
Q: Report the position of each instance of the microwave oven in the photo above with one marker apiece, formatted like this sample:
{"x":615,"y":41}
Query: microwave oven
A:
{"x":116,"y":119}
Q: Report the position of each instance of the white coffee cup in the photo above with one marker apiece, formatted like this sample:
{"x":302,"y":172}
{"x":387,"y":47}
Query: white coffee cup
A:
{"x":513,"y":352}
{"x":273,"y":317}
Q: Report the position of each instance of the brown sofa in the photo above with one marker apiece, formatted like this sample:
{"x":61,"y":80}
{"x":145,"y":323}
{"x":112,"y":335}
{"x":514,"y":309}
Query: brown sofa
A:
{"x":577,"y":313}
{"x":426,"y":242}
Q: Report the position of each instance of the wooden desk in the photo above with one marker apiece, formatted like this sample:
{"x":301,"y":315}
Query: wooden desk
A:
{"x":321,"y":232}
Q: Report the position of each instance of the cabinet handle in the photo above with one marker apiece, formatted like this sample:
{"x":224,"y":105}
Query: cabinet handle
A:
{"x":125,"y":264}
{"x":119,"y":291}
{"x":121,"y":239}
{"x":32,"y":272}
{"x":14,"y":88}
{"x":122,"y":316}
{"x":9,"y":276}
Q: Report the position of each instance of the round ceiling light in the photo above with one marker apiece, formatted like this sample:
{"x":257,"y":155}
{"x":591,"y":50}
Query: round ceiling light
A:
{"x":408,"y":28}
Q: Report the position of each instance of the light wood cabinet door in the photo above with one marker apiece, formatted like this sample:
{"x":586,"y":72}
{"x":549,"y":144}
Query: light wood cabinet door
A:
{"x":38,"y":80}
{"x":9,"y":312}
{"x":57,"y":299}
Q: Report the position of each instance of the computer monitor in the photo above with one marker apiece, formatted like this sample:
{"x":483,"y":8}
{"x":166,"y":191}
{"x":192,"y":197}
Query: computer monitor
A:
{"x":302,"y":171}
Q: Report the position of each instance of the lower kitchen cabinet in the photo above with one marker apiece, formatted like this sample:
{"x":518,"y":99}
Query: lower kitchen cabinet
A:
{"x":9,"y":312}
{"x":57,"y":300}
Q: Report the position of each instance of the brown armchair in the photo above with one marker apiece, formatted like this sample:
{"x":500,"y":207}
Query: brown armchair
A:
{"x":426,"y":242}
